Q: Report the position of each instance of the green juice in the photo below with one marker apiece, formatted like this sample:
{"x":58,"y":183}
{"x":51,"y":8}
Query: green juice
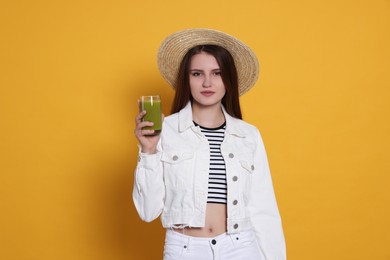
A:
{"x":152,"y":105}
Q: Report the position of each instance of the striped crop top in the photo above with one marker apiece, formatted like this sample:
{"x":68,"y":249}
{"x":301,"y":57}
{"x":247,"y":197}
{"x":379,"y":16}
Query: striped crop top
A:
{"x":217,"y":189}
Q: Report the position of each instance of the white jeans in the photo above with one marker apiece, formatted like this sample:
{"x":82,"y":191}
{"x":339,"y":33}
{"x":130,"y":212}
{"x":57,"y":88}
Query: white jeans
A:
{"x":222,"y":247}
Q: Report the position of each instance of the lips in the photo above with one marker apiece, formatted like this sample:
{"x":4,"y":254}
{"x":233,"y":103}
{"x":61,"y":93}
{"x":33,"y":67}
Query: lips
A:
{"x":207,"y":93}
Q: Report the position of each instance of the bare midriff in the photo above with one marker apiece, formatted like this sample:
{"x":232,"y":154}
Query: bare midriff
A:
{"x":215,"y":225}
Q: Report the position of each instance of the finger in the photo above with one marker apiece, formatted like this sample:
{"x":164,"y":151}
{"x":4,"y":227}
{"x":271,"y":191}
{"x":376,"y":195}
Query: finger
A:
{"x":139,"y":117}
{"x":143,"y":132}
{"x":147,"y":132}
{"x":144,"y":124}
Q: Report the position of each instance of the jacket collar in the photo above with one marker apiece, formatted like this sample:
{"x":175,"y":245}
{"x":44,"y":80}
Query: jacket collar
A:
{"x":186,"y":121}
{"x":185,"y":118}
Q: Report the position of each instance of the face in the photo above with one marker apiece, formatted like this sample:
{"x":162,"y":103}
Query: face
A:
{"x":207,"y":88}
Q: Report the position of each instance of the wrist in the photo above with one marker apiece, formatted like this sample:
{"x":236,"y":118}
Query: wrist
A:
{"x":149,"y":150}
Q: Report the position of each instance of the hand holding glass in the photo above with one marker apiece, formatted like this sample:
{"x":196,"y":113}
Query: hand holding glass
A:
{"x":152,"y":106}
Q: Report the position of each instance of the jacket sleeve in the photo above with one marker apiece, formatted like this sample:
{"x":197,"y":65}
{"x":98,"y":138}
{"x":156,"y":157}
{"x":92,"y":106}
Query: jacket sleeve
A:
{"x":149,"y":188}
{"x":263,"y":208}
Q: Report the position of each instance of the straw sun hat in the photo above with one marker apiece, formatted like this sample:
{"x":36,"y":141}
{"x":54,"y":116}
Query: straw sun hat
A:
{"x":176,"y":45}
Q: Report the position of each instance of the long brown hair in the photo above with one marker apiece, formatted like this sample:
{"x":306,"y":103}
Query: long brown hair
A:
{"x":229,"y":76}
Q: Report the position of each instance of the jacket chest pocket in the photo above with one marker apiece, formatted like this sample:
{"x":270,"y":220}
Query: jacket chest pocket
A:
{"x":178,"y":168}
{"x":247,"y":165}
{"x":247,"y":170}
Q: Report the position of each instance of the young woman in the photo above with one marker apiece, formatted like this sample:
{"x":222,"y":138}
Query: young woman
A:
{"x":207,"y":172}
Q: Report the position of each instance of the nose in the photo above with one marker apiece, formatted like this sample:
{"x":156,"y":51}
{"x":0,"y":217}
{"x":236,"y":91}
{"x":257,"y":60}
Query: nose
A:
{"x":206,"y":82}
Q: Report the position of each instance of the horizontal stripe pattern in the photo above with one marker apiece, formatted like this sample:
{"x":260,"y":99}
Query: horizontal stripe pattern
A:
{"x":217,"y":189}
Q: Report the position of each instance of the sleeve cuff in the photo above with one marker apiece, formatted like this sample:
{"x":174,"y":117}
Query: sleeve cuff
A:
{"x":148,"y":161}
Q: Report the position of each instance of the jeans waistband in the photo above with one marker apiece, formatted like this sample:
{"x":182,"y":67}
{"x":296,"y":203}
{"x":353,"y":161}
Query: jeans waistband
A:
{"x":176,"y":236}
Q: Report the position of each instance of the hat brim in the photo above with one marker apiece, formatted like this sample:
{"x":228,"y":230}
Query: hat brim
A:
{"x":176,"y":45}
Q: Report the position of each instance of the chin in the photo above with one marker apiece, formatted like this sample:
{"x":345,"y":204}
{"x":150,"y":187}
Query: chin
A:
{"x":207,"y":103}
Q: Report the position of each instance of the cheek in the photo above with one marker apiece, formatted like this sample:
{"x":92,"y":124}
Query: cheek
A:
{"x":224,"y":92}
{"x":192,"y":89}
{"x":192,"y":85}
{"x":222,"y":86}
{"x":195,"y":83}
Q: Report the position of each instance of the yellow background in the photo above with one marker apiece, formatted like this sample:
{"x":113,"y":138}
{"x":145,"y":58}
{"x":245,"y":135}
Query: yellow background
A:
{"x":70,"y":75}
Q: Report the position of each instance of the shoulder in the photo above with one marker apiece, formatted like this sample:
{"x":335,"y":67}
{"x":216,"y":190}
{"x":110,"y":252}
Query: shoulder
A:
{"x":171,"y":123}
{"x":247,"y":125}
{"x":171,"y":118}
{"x":244,"y":126}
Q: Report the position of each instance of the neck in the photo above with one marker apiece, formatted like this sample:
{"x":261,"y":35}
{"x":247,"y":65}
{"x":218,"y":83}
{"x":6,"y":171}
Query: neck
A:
{"x":210,"y":117}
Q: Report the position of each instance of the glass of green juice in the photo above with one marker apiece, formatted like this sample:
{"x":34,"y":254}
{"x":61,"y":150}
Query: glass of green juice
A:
{"x":152,"y":105}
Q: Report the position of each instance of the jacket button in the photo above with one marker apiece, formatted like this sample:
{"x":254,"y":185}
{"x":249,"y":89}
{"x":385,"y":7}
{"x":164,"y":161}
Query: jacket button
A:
{"x":175,"y":157}
{"x":235,"y":178}
{"x":235,"y":226}
{"x":252,"y":168}
{"x":235,"y":202}
{"x":231,"y":155}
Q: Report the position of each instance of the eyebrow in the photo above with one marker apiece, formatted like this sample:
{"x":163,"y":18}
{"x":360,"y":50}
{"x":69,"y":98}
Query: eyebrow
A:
{"x":203,"y":70}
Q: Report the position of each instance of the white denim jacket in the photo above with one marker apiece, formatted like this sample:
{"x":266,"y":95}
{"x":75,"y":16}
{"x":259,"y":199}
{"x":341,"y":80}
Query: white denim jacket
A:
{"x":174,"y":181}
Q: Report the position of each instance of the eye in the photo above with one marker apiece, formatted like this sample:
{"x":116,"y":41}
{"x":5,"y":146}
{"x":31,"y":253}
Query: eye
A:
{"x":217,"y":73}
{"x":195,"y":74}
